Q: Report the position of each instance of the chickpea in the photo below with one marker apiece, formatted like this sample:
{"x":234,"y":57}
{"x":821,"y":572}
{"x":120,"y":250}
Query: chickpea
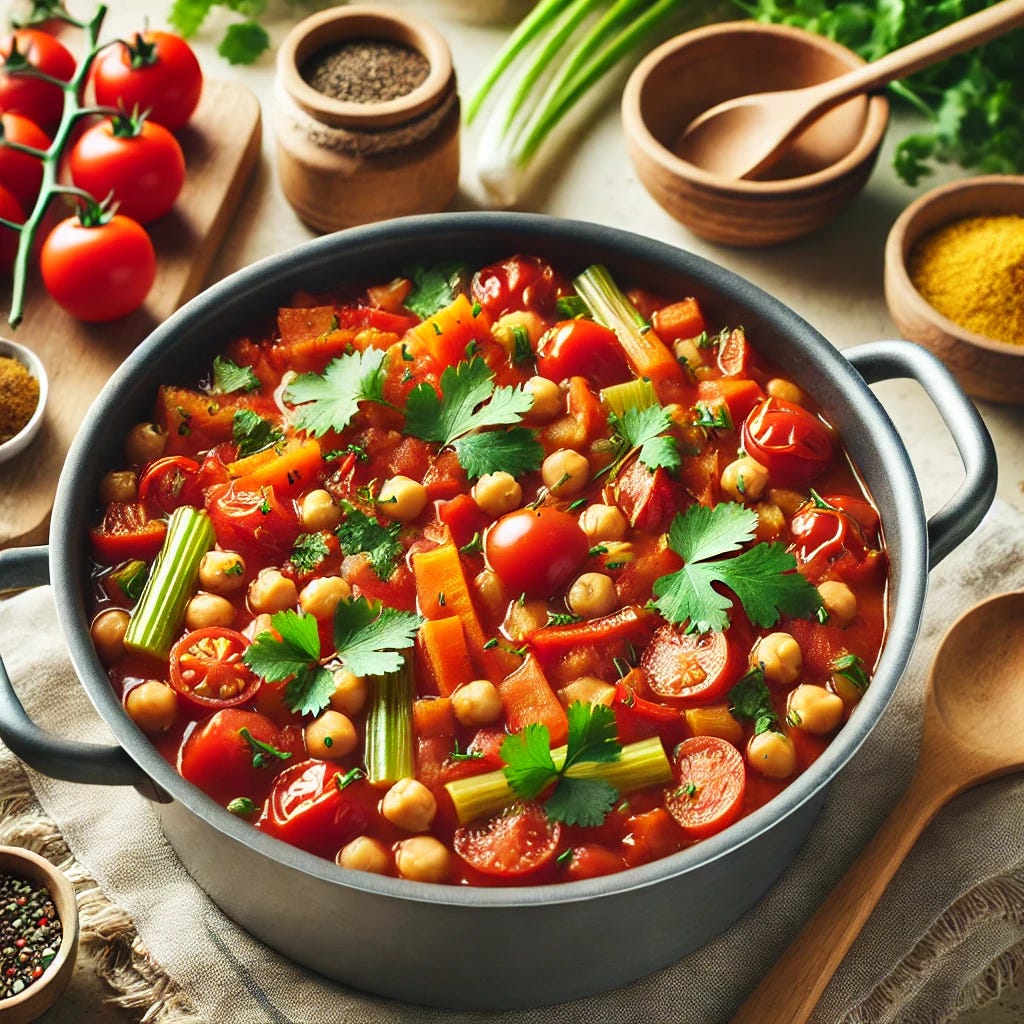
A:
{"x":350,"y":692}
{"x":497,"y":493}
{"x":318,"y":511}
{"x":107,"y":632}
{"x":770,"y":521}
{"x":839,"y":600}
{"x":423,"y":859}
{"x":222,"y":572}
{"x":845,"y":689}
{"x":491,"y":590}
{"x":261,"y":624}
{"x":565,"y":472}
{"x":779,"y":387}
{"x":548,"y":400}
{"x":152,"y":706}
{"x":814,"y":709}
{"x":364,"y":854}
{"x":745,"y":479}
{"x":119,"y":485}
{"x":209,"y":610}
{"x":402,"y":499}
{"x":592,"y":595}
{"x":144,"y":443}
{"x":772,"y":754}
{"x":780,"y":657}
{"x":320,"y":597}
{"x":409,"y":805}
{"x":271,"y":591}
{"x":686,"y":350}
{"x":502,"y":329}
{"x":331,"y":736}
{"x":603,"y":522}
{"x":477,"y":703}
{"x":523,"y":619}
{"x":787,"y":500}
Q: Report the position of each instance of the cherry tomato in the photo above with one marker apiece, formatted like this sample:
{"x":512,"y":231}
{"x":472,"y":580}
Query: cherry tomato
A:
{"x":582,"y":348}
{"x":206,"y":668}
{"x":10,"y":209}
{"x":511,"y":844}
{"x":39,"y":101}
{"x":20,"y":173}
{"x":690,"y":667}
{"x":98,"y":272}
{"x":649,"y":500}
{"x":711,"y":781}
{"x":137,"y":160}
{"x":824,"y":532}
{"x":536,"y":551}
{"x":253,"y":523}
{"x":649,"y":836}
{"x":127,"y":531}
{"x":307,"y":809}
{"x":521,"y":282}
{"x":170,"y":482}
{"x":157,"y":72}
{"x":787,"y":440}
{"x":219,"y":759}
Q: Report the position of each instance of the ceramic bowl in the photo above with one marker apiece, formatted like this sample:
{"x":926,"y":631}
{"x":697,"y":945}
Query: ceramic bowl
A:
{"x":696,"y":70}
{"x":986,"y":368}
{"x":37,"y":998}
{"x":17,"y":444}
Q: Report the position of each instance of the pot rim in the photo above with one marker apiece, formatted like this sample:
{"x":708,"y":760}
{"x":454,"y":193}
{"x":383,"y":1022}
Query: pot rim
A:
{"x":251,"y":286}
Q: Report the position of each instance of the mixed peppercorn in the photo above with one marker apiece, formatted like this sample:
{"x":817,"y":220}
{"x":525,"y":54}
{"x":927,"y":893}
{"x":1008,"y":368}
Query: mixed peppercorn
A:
{"x":30,"y":933}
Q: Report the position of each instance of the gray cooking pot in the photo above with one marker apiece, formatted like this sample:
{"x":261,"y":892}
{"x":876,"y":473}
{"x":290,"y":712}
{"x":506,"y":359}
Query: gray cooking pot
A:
{"x":517,"y":946}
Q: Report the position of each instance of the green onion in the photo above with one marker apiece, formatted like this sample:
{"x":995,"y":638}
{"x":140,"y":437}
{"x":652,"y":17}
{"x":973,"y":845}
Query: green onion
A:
{"x":640,"y":765}
{"x":389,"y":741}
{"x":157,"y":618}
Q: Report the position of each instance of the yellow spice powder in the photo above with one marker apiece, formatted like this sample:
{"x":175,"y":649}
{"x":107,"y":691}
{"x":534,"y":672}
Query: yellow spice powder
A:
{"x":972,"y":272}
{"x":19,"y":396}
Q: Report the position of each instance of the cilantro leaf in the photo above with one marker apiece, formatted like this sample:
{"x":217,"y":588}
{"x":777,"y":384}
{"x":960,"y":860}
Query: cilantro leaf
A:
{"x":252,"y":433}
{"x":643,"y":429}
{"x":328,"y":401}
{"x":433,"y":288}
{"x":592,"y":734}
{"x":750,"y":700}
{"x":368,"y":637}
{"x":763,"y":577}
{"x":850,"y":667}
{"x":571,"y":306}
{"x":243,"y":42}
{"x":516,"y":451}
{"x":528,"y":764}
{"x":362,"y":532}
{"x":229,"y":377}
{"x":309,"y":550}
{"x":583,"y":802}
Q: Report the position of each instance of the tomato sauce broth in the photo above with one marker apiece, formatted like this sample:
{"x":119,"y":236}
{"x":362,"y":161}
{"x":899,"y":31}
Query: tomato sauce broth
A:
{"x":535,"y":593}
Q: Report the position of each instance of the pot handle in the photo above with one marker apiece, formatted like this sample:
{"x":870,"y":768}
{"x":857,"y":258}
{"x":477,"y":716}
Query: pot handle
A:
{"x":58,"y":758}
{"x":957,"y":519}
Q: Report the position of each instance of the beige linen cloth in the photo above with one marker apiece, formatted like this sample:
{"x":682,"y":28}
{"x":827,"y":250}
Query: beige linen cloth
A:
{"x":947,"y":936}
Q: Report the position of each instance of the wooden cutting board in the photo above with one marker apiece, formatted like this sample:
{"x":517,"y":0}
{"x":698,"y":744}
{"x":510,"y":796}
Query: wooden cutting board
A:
{"x":221,"y":144}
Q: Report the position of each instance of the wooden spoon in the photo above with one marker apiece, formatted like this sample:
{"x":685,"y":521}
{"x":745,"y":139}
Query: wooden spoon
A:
{"x":973,"y":732}
{"x":746,"y":135}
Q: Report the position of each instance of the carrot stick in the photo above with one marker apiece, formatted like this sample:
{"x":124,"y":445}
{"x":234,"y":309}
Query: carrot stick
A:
{"x":291,"y":471}
{"x":444,"y":644}
{"x":528,"y":698}
{"x":432,"y":716}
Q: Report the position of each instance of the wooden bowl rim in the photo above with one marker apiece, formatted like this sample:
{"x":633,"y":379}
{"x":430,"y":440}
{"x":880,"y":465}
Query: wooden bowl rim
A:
{"x":635,"y":123}
{"x":902,"y":236}
{"x":15,"y":445}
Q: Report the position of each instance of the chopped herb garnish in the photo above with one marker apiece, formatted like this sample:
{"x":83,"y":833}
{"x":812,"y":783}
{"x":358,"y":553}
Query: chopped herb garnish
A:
{"x":570,"y":307}
{"x":597,"y":549}
{"x":346,"y":780}
{"x":561,"y":619}
{"x":363,"y":533}
{"x":241,"y":806}
{"x":131,"y":578}
{"x":252,"y":433}
{"x":850,"y":667}
{"x":522,"y":349}
{"x":262,"y":751}
{"x":565,"y":857}
{"x":229,"y":377}
{"x":751,"y":701}
{"x":433,"y":288}
{"x":474,"y":546}
{"x":328,"y":401}
{"x":713,"y":419}
{"x":309,"y":550}
{"x":477,"y":309}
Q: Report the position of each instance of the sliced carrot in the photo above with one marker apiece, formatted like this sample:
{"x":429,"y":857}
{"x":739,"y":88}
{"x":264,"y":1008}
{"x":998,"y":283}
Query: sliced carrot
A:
{"x":305,"y":324}
{"x":529,"y":699}
{"x":444,"y":644}
{"x":711,"y":782}
{"x":291,"y":471}
{"x":449,"y":332}
{"x":737,"y":396}
{"x":679,"y":320}
{"x":188,"y":415}
{"x":650,"y":357}
{"x":432,"y":716}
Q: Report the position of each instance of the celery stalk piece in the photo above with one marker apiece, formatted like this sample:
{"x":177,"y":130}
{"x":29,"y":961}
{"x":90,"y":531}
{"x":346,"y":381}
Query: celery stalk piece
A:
{"x":157,"y":618}
{"x":389,"y":740}
{"x":640,"y":765}
{"x":631,"y":394}
{"x":607,"y":301}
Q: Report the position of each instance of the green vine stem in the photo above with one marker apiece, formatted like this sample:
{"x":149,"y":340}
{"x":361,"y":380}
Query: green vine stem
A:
{"x":73,"y":110}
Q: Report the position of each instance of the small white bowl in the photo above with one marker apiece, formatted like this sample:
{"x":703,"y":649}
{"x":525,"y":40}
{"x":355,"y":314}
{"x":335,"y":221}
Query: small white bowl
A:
{"x":17,"y":444}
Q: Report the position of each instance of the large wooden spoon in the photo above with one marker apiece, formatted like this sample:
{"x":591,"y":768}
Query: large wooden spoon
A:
{"x":746,"y":135}
{"x":973,"y":732}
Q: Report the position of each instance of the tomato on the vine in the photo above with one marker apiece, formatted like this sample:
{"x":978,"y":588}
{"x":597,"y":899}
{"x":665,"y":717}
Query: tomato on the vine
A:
{"x":536,"y":551}
{"x":136,"y":160}
{"x":40,"y":101}
{"x":787,"y":440}
{"x":97,"y":266}
{"x":21,"y":173}
{"x":206,"y":668}
{"x":156,"y":72}
{"x":10,"y":209}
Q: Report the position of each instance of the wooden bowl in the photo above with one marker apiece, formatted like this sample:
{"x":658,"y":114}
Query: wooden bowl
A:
{"x":17,"y":444}
{"x":986,"y":368}
{"x":696,"y":70}
{"x":37,"y":998}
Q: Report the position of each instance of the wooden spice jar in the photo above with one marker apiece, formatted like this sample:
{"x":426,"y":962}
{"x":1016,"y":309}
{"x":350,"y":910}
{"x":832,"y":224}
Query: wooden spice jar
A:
{"x":367,"y":117}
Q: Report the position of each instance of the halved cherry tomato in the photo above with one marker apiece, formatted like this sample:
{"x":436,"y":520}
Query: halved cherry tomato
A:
{"x":787,"y":440}
{"x":127,"y":531}
{"x":536,"y":551}
{"x":307,"y":809}
{"x":711,"y":781}
{"x":170,"y":482}
{"x":511,"y":844}
{"x":206,"y":668}
{"x":582,"y":348}
{"x":690,"y":667}
{"x":40,"y":101}
{"x":826,"y":533}
{"x":520,"y":282}
{"x":649,"y":499}
{"x":252,"y":523}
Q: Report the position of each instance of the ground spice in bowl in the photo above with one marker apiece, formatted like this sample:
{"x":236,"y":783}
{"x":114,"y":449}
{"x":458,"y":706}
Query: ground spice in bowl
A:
{"x":972,"y":272}
{"x":19,"y":397}
{"x":30,"y":933}
{"x":365,"y":70}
